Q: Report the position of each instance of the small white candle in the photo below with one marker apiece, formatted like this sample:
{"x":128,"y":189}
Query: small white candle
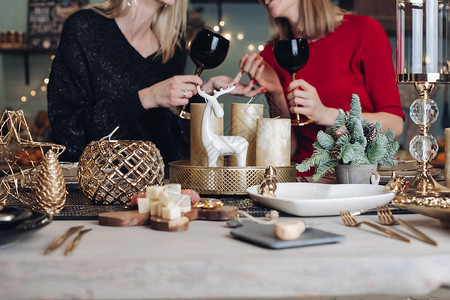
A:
{"x":273,"y":142}
{"x":417,"y":39}
{"x":243,"y":123}
{"x":431,"y":8}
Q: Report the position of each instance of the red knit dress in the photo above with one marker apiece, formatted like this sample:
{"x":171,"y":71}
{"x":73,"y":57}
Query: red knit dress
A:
{"x":355,"y":58}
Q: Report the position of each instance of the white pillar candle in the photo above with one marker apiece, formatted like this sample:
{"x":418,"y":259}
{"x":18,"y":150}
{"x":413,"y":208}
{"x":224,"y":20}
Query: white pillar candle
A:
{"x":417,"y":38}
{"x":401,"y":42}
{"x":243,"y":123}
{"x":273,"y":142}
{"x":431,"y":8}
{"x":199,"y":156}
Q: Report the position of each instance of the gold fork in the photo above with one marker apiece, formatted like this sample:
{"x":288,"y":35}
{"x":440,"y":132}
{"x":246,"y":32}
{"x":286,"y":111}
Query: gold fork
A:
{"x":386,"y":217}
{"x":349,"y":220}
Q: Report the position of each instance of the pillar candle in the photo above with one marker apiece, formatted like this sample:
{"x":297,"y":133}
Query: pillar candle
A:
{"x":431,"y":10}
{"x":199,"y":156}
{"x":243,"y":123}
{"x":273,"y":142}
{"x":417,"y":39}
{"x":447,"y":158}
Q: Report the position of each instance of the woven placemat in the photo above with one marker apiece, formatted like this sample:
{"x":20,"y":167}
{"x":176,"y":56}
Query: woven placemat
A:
{"x":78,"y":207}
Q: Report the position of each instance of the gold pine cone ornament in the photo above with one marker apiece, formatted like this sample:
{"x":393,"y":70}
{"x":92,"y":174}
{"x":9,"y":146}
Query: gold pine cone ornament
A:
{"x":50,"y":186}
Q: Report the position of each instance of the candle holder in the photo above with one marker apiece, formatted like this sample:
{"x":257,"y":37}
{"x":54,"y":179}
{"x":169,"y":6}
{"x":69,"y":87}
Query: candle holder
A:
{"x":422,"y":60}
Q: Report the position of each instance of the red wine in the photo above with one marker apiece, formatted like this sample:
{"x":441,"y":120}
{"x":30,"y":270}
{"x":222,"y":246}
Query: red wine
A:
{"x":291,"y":54}
{"x":208,"y":49}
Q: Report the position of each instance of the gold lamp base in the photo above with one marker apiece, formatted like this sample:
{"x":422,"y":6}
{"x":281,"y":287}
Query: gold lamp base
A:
{"x":422,"y":195}
{"x":424,"y":190}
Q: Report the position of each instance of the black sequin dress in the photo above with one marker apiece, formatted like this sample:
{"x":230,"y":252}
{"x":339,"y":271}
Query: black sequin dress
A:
{"x":94,"y":84}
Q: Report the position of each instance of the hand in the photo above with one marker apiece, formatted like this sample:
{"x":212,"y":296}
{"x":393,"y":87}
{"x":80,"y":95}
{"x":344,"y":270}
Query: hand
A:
{"x":261,"y":73}
{"x":174,"y":91}
{"x":217,"y":82}
{"x":303,"y":99}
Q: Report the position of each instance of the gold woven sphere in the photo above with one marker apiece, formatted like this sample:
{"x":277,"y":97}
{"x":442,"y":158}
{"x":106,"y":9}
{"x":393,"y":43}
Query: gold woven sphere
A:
{"x":111,"y":172}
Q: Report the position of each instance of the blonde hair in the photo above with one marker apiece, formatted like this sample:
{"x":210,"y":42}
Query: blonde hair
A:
{"x":317,"y":19}
{"x":168,"y":24}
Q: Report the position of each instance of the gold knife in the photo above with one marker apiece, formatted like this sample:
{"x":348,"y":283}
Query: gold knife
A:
{"x":419,"y":233}
{"x":75,"y":242}
{"x":59,"y":241}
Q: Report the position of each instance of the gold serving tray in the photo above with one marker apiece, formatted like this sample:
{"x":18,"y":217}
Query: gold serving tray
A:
{"x":223,"y":180}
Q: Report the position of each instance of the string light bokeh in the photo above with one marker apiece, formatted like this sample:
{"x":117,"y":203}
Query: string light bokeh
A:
{"x":42,"y":88}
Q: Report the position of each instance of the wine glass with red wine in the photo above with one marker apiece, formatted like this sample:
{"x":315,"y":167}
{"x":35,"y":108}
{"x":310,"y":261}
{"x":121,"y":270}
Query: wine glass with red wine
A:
{"x":208,"y":50}
{"x":292,"y":55}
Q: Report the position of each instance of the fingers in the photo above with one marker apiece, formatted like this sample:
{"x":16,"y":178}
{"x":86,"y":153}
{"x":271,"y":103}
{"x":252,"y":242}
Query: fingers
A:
{"x":238,"y":77}
{"x":243,"y":60}
{"x":247,"y":90}
{"x":255,"y":67}
{"x":248,"y":61}
{"x":190,"y":79}
{"x":301,"y":84}
{"x":259,"y":71}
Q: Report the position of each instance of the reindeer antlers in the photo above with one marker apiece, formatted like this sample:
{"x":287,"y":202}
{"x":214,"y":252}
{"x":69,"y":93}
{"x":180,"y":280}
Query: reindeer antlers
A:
{"x":223,"y":91}
{"x":216,"y":93}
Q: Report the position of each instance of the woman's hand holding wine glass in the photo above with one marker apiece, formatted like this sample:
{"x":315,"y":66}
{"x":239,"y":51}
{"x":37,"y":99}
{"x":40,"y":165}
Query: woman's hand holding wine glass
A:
{"x":208,"y":50}
{"x":292,"y":55}
{"x":171,"y":92}
{"x":303,"y":99}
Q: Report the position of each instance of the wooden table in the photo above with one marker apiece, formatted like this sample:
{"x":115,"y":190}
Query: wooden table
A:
{"x":206,"y":263}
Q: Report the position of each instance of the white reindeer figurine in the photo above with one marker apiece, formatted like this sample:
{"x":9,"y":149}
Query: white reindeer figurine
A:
{"x":217,"y":145}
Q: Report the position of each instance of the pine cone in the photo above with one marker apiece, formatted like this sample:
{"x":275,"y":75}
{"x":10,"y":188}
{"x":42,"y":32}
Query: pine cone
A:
{"x":335,"y":151}
{"x":50,"y":186}
{"x":341,"y":131}
{"x":370,"y":132}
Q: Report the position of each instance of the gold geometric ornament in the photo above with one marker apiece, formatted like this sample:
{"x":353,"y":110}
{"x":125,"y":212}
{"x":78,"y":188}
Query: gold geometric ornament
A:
{"x":112,"y":171}
{"x":19,"y":158}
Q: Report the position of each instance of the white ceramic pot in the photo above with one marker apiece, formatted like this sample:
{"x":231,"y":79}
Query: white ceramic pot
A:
{"x":354,"y":174}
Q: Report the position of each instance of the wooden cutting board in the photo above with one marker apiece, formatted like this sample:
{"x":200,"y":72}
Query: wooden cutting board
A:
{"x":134,"y":218}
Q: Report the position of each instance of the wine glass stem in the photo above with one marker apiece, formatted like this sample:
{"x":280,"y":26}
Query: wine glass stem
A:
{"x":199,"y":70}
{"x":296,"y":116}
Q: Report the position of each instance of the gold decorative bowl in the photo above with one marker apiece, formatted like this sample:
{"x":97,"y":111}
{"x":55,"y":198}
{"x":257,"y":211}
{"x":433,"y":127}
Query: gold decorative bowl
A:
{"x":223,"y":180}
{"x":112,"y":171}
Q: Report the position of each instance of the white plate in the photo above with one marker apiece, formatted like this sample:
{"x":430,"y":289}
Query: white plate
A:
{"x":320,"y":199}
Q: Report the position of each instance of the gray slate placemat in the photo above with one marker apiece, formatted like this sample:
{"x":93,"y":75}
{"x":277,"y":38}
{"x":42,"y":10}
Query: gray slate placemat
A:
{"x":263,"y":235}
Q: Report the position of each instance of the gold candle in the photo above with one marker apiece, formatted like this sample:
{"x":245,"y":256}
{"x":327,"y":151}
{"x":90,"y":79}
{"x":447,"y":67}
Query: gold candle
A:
{"x":243,"y":123}
{"x":273,"y":142}
{"x":199,"y":156}
{"x":447,"y":158}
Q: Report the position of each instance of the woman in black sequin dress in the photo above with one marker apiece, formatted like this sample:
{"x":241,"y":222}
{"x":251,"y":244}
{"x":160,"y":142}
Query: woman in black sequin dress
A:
{"x":120,"y":63}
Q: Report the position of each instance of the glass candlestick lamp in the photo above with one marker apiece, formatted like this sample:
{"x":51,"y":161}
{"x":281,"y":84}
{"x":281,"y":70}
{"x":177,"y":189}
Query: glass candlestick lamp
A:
{"x":423,"y":60}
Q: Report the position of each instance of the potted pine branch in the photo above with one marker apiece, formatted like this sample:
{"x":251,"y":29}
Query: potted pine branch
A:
{"x":349,"y":143}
